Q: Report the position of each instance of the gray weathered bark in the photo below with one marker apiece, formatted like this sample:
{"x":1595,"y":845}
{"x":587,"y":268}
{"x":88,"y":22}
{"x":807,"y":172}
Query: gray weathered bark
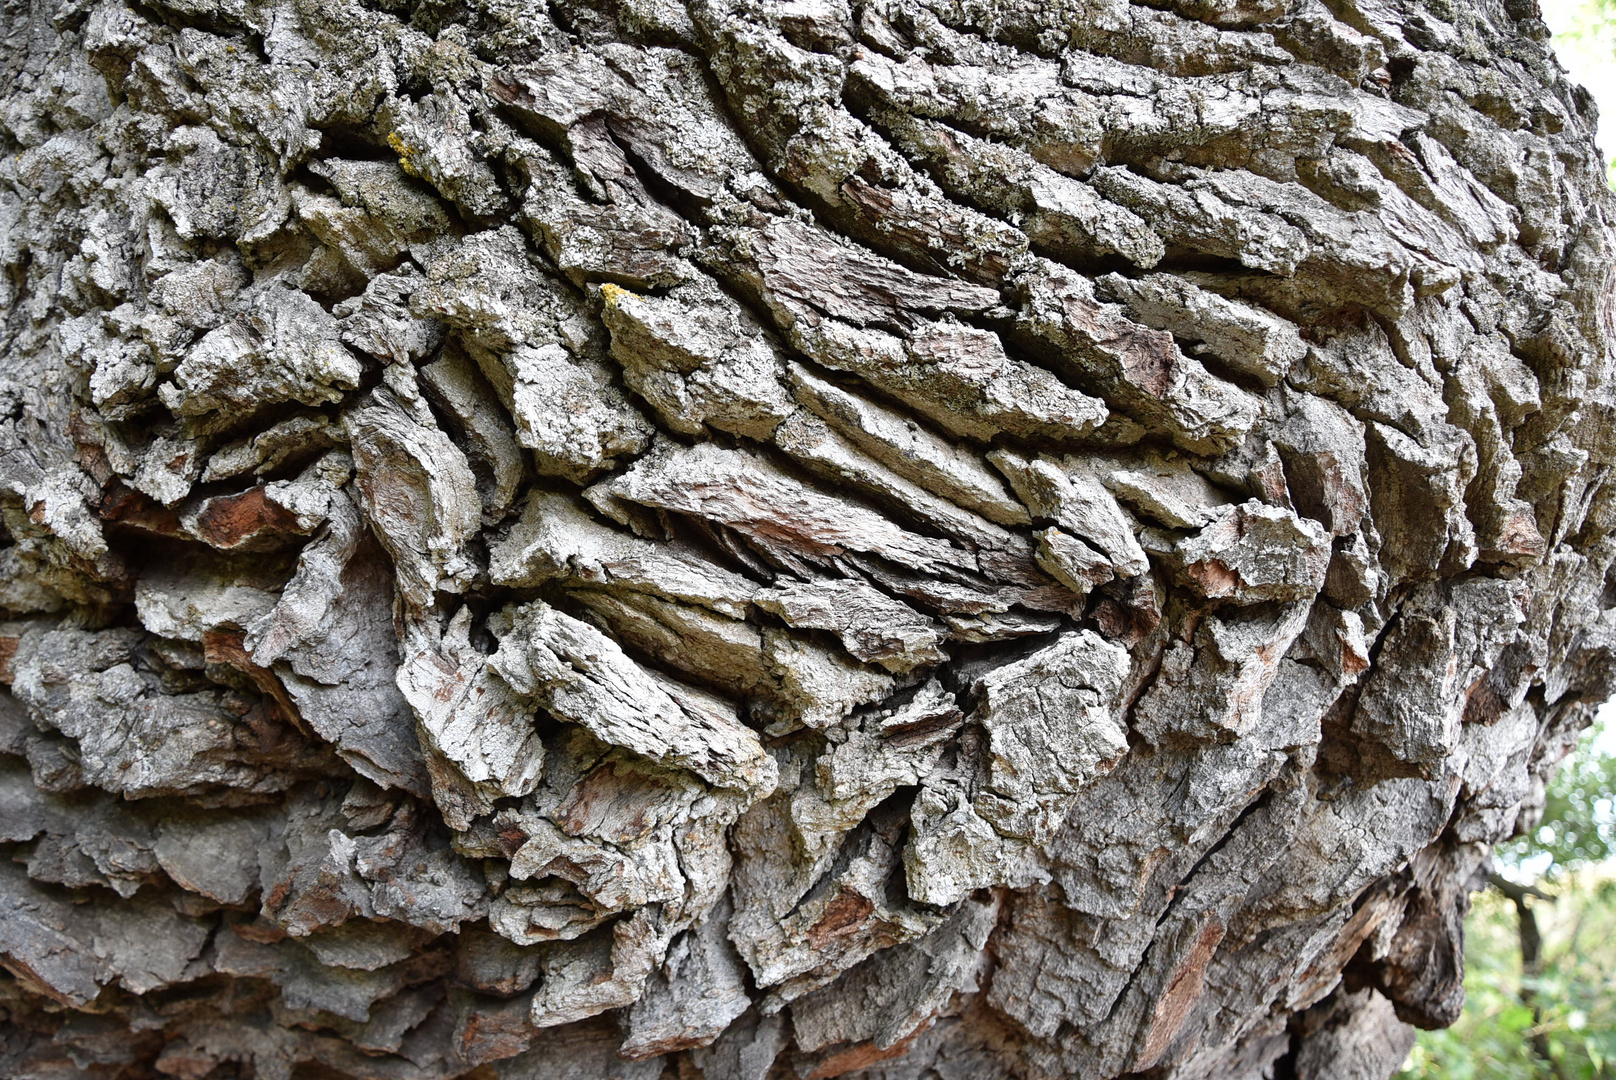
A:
{"x":747,"y":539}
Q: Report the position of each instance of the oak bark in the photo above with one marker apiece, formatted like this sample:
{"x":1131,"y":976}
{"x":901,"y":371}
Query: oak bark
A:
{"x":749,"y":540}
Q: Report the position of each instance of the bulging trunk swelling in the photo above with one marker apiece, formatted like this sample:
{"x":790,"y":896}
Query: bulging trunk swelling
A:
{"x":749,"y":540}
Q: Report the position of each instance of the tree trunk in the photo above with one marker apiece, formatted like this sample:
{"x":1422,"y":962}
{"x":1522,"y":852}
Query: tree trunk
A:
{"x":752,"y":540}
{"x":1531,"y":960}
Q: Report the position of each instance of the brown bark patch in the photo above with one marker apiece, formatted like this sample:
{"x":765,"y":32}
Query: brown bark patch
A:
{"x":1183,"y":989}
{"x":860,"y":1056}
{"x":842,"y":916}
{"x":125,"y":506}
{"x":246,"y":521}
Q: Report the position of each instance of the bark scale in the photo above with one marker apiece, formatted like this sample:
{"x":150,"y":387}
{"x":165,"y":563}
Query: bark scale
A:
{"x":748,"y":540}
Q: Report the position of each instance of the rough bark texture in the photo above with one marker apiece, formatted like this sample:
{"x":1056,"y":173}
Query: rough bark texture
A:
{"x":738,"y":540}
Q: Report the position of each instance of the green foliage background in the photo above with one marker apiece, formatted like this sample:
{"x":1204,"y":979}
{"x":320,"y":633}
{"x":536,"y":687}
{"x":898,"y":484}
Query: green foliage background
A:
{"x":1577,"y":992}
{"x":1570,"y":857}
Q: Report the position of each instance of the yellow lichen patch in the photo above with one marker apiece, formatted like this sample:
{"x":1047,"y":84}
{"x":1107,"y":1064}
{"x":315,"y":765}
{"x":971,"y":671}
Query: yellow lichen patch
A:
{"x":404,"y":151}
